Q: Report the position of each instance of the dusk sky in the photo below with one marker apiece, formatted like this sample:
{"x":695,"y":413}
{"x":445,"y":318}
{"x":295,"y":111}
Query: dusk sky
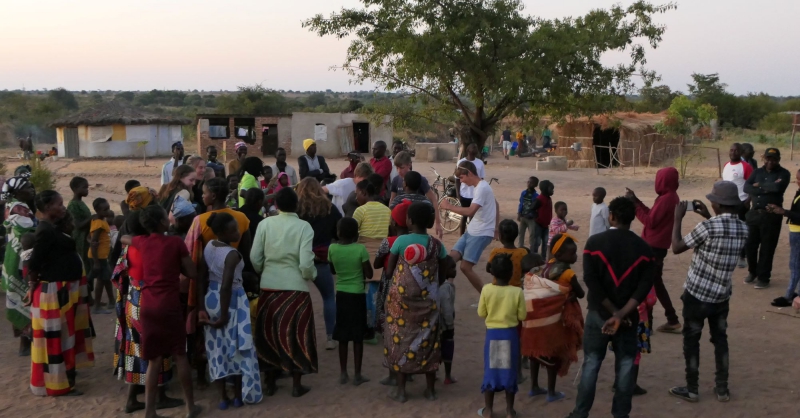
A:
{"x":219,"y":45}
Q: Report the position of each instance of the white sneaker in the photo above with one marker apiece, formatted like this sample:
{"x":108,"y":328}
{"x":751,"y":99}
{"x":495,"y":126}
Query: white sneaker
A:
{"x":330,"y":345}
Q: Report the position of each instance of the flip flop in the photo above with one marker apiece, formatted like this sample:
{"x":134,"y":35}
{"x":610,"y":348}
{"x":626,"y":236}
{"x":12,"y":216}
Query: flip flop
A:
{"x":537,"y":392}
{"x":480,"y":412}
{"x":558,"y":396}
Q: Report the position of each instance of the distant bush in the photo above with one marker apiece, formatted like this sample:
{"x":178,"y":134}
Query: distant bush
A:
{"x":776,"y":122}
{"x":41,"y":176}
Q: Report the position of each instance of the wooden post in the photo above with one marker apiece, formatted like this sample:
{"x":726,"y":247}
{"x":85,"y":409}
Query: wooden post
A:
{"x":680,"y":158}
{"x":719,"y":164}
{"x":650,"y":158}
{"x":594,"y":157}
{"x":795,"y":122}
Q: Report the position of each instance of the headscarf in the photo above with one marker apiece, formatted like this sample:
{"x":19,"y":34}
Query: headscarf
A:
{"x":139,"y":198}
{"x":278,"y":185}
{"x":14,"y":184}
{"x":307,"y":143}
{"x":557,"y":244}
{"x":181,"y":207}
{"x":23,"y":170}
{"x":239,"y":145}
{"x":400,"y":213}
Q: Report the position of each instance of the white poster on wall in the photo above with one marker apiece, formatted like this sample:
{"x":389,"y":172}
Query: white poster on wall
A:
{"x":100,"y":133}
{"x":320,"y":132}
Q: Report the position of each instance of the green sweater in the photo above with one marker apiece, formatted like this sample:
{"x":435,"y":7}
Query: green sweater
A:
{"x":282,"y":253}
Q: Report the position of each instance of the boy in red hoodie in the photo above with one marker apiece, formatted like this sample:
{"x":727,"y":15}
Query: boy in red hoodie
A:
{"x":657,"y":233}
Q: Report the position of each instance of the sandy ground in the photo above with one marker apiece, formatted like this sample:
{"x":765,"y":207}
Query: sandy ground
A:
{"x":760,"y":342}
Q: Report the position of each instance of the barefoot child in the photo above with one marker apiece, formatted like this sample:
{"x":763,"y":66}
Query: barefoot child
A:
{"x":553,"y":345}
{"x":228,"y":338}
{"x":599,"y":219}
{"x":350,"y":262}
{"x":129,"y":185}
{"x":503,"y":307}
{"x":100,"y":270}
{"x":559,"y":224}
{"x":447,"y":317}
{"x":82,"y":218}
{"x":162,"y":322}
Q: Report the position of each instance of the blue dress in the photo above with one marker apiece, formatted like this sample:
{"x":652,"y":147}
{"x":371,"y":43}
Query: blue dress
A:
{"x":230,"y":349}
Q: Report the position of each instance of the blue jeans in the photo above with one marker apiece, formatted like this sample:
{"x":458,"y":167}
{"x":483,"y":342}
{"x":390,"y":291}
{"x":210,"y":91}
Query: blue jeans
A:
{"x":794,"y":264}
{"x":595,"y":346}
{"x":695,"y":313}
{"x":324,"y":283}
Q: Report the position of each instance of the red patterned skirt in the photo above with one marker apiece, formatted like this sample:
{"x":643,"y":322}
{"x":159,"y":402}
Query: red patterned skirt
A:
{"x":284,"y":334}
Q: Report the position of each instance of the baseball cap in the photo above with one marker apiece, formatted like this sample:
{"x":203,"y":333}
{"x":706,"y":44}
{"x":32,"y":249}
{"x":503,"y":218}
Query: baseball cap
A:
{"x":772,"y":153}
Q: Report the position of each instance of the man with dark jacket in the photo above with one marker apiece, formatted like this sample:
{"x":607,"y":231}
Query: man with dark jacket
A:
{"x":618,"y":272}
{"x":311,"y":164}
{"x":793,"y":219}
{"x":657,"y":232}
{"x":766,"y":186}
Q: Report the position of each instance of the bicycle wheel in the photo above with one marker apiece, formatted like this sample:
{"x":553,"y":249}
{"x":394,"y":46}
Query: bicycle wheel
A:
{"x":450,"y":220}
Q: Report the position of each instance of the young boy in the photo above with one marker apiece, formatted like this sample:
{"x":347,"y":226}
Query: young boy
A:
{"x":599,"y":219}
{"x":82,"y":217}
{"x":508,"y":236}
{"x":447,"y":318}
{"x":412,"y":181}
{"x":543,"y":208}
{"x":233,"y":185}
{"x":560,"y":224}
{"x":119,"y":220}
{"x":129,"y":185}
{"x":525,"y":214}
{"x":98,"y":254}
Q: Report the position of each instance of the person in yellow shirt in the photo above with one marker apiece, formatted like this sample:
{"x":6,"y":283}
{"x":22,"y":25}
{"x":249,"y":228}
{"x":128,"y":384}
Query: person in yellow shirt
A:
{"x":503,"y":307}
{"x":100,"y":246}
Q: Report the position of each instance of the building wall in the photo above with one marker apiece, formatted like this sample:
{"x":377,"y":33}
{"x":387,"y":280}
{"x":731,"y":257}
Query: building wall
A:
{"x":225,"y":146}
{"x":303,"y":127}
{"x":159,"y":146}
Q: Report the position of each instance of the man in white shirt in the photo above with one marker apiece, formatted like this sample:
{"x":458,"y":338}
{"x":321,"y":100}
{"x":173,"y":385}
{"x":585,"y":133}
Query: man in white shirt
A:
{"x":172,"y":164}
{"x":463,"y":191}
{"x":485,"y":213}
{"x":341,"y":189}
{"x":599,"y":219}
{"x":738,"y":171}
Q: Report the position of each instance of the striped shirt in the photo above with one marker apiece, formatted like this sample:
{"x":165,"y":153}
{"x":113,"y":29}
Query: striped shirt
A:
{"x":373,"y":220}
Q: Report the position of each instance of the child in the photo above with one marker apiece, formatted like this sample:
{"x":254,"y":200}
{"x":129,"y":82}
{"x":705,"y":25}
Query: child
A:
{"x":508,"y":236}
{"x":26,"y":241}
{"x":181,"y":217}
{"x":129,"y":185}
{"x":416,"y":262}
{"x":162,"y":323}
{"x":82,"y":218}
{"x":412,"y":182}
{"x":266,"y":172}
{"x":228,"y":334}
{"x":560,"y":224}
{"x":100,"y":270}
{"x":232,"y":201}
{"x":115,"y":226}
{"x":643,"y":332}
{"x":525,"y":213}
{"x":373,"y":219}
{"x":447,"y":317}
{"x":599,"y":220}
{"x":543,"y":208}
{"x":253,"y":208}
{"x":350,"y":262}
{"x":555,"y":292}
{"x":503,"y":307}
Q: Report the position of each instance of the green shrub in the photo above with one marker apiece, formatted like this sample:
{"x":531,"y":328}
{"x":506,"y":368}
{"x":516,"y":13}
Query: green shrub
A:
{"x":41,"y":176}
{"x":776,"y":122}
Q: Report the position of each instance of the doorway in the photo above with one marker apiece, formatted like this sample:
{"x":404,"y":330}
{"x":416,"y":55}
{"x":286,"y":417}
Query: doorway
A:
{"x":269,"y":139}
{"x":361,"y":137}
{"x":605,"y":138}
{"x":71,"y":145}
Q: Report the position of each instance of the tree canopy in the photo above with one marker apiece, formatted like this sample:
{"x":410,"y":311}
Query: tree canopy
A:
{"x":483,"y":60}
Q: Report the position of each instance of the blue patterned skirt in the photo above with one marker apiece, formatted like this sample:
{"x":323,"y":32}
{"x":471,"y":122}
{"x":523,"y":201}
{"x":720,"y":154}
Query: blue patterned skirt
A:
{"x":500,"y":360}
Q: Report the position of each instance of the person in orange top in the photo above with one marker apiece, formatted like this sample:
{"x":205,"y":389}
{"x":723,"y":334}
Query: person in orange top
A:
{"x":100,"y":233}
{"x":509,"y":230}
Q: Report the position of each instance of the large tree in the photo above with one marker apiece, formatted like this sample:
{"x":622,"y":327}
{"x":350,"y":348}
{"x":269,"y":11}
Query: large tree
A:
{"x":483,"y":60}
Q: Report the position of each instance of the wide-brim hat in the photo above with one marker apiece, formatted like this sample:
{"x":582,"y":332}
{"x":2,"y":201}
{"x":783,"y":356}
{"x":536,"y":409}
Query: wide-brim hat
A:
{"x":725,"y":193}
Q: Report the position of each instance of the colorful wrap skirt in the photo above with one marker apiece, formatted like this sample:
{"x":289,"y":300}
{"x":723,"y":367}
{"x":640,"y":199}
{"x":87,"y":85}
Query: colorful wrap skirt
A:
{"x":285,"y":336}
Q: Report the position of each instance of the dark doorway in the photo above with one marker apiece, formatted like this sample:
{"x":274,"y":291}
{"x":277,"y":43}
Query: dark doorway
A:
{"x":361,"y":137}
{"x":269,"y":139}
{"x":71,"y":145}
{"x":605,"y":138}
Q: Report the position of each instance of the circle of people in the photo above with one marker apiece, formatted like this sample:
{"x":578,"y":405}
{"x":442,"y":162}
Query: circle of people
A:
{"x":211,"y":274}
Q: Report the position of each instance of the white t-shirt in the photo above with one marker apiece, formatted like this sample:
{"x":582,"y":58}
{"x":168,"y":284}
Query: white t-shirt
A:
{"x":738,"y":173}
{"x":468,"y":192}
{"x":339,"y":190}
{"x":599,"y":221}
{"x":483,"y":223}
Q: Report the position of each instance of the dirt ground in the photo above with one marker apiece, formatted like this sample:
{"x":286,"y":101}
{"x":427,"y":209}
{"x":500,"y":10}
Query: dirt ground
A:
{"x":762,"y":373}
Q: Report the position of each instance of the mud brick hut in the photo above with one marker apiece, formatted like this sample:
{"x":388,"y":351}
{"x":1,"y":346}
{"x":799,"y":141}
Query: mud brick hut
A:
{"x":116,"y":129}
{"x":622,"y":138}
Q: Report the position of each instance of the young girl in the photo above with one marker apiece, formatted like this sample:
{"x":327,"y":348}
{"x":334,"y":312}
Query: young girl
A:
{"x":180,"y":185}
{"x":373,"y":219}
{"x":411,"y":331}
{"x":229,"y":342}
{"x":559,"y":224}
{"x":447,"y":316}
{"x":554,"y":292}
{"x":163,"y":328}
{"x":503,"y":307}
{"x":350,"y":262}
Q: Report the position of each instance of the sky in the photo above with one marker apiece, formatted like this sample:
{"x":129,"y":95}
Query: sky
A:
{"x":220,"y":45}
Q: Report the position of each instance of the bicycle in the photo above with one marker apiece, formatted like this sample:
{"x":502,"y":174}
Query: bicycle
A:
{"x":450,"y":220}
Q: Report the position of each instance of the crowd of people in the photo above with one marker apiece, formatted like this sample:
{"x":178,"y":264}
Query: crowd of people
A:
{"x":210,"y":276}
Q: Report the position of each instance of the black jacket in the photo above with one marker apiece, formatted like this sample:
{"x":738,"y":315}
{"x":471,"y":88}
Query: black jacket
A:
{"x":321,"y":174}
{"x":768,"y":191}
{"x":793,"y":214}
{"x":617,"y":265}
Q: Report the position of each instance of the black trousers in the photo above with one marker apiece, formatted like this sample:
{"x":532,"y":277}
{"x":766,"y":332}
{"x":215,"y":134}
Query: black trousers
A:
{"x":695,"y":314}
{"x":743,"y":209}
{"x":764,"y":229}
{"x":661,"y":290}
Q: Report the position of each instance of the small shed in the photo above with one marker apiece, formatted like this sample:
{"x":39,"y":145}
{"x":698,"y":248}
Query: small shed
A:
{"x":620,"y":138}
{"x":116,"y":129}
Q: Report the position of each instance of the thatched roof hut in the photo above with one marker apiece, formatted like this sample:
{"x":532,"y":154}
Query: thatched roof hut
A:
{"x":116,"y":113}
{"x":608,"y":140}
